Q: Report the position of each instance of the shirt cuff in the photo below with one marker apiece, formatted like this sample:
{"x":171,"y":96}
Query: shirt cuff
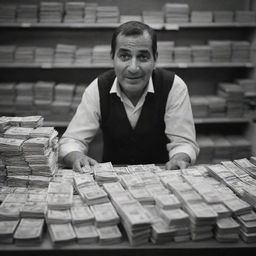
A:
{"x":68,"y":145}
{"x":187,"y":149}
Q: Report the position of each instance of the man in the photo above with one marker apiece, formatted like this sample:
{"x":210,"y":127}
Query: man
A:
{"x":144,"y":112}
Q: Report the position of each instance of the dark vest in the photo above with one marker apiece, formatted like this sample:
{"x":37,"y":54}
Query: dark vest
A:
{"x":146,"y":143}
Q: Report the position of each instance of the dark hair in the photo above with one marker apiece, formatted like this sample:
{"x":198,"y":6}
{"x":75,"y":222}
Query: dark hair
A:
{"x":134,"y":28}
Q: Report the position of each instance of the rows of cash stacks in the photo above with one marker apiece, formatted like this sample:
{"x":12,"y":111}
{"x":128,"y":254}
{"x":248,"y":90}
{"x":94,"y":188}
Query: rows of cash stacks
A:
{"x":49,"y":99}
{"x":89,"y":12}
{"x":106,"y":204}
{"x":213,"y":51}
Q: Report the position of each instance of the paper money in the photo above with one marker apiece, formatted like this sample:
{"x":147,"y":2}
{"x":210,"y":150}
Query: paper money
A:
{"x":58,"y":216}
{"x":82,"y":214}
{"x":167,"y":202}
{"x":86,"y":234}
{"x":29,"y":231}
{"x":109,"y":235}
{"x":7,"y":229}
{"x":105,"y":215}
{"x":61,"y":233}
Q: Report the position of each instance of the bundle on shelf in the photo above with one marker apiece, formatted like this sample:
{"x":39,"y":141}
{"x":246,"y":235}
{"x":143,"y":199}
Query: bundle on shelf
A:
{"x":216,"y":147}
{"x":215,"y":52}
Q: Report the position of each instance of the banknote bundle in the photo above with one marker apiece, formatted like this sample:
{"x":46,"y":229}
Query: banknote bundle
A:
{"x":176,"y":13}
{"x":134,"y":219}
{"x":240,"y":51}
{"x":7,"y":229}
{"x":22,"y":133}
{"x":108,"y":14}
{"x":29,"y":231}
{"x":152,"y":17}
{"x":105,"y":215}
{"x":221,"y":210}
{"x":156,"y":189}
{"x":161,"y":232}
{"x":148,"y":177}
{"x":90,"y":13}
{"x":58,"y":216}
{"x":61,"y":234}
{"x":104,"y":172}
{"x":142,"y":195}
{"x":60,"y":196}
{"x":82,"y":214}
{"x":27,"y":13}
{"x":223,"y":16}
{"x":199,"y":106}
{"x":221,"y":50}
{"x":38,"y":181}
{"x":227,"y":230}
{"x":33,"y":209}
{"x":247,"y":166}
{"x":83,"y":180}
{"x":238,"y":206}
{"x":165,"y":51}
{"x":10,"y":211}
{"x":64,"y":176}
{"x":74,"y":12}
{"x":93,"y":194}
{"x":202,"y":218}
{"x":128,"y":181}
{"x":7,"y":13}
{"x":244,"y":16}
{"x":248,"y":226}
{"x":41,"y":157}
{"x":100,"y":54}
{"x":167,"y":201}
{"x":201,"y":53}
{"x":86,"y":234}
{"x":109,"y":235}
{"x":182,"y":54}
{"x":113,"y":188}
{"x":50,"y":12}
{"x":201,"y":16}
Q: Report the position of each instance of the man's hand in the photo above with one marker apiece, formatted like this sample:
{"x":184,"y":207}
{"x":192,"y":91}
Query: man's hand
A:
{"x":77,"y":160}
{"x":178,"y":161}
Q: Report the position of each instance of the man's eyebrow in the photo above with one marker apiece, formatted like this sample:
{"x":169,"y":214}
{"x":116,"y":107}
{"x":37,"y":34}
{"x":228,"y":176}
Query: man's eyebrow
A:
{"x":123,"y":50}
{"x":144,"y":51}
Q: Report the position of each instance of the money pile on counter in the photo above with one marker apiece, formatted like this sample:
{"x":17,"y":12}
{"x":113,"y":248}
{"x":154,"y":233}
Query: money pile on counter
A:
{"x":147,"y":204}
{"x":28,"y":151}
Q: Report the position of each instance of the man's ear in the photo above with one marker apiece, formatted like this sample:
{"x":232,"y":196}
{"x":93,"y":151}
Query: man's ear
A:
{"x":155,"y":59}
{"x":156,"y":56}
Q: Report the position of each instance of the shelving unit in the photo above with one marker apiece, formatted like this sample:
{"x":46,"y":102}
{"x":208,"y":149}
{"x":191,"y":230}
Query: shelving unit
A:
{"x":201,"y":78}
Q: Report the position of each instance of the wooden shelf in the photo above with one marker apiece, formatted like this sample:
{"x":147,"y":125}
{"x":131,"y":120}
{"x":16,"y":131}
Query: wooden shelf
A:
{"x":157,"y":26}
{"x":212,"y":120}
{"x":95,"y":66}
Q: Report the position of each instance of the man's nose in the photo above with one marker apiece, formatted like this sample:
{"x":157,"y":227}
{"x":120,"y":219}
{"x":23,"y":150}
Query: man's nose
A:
{"x":133,"y":65}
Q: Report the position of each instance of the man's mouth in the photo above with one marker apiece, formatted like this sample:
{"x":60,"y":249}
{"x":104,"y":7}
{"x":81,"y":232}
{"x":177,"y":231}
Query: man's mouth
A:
{"x":133,"y":77}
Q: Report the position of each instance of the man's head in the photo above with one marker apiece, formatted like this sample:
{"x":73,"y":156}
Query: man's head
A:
{"x":134,"y":28}
{"x":134,"y":54}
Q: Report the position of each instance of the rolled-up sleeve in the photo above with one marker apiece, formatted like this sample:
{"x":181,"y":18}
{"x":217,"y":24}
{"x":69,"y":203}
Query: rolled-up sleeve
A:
{"x":84,"y":124}
{"x":180,"y":128}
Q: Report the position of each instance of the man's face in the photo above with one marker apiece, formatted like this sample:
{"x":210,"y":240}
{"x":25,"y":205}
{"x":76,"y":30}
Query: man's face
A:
{"x":133,"y":62}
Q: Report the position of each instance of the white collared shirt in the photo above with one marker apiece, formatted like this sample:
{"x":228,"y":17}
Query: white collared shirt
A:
{"x":178,"y":119}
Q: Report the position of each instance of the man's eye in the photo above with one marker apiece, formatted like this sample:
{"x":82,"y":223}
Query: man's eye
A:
{"x":124,"y":57}
{"x":143,"y":58}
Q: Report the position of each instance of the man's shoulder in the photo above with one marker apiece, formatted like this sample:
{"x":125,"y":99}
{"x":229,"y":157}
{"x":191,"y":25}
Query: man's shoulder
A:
{"x":164,"y":72}
{"x":107,"y":75}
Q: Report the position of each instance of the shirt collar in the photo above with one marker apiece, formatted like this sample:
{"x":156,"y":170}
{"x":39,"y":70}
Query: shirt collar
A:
{"x":116,"y":87}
